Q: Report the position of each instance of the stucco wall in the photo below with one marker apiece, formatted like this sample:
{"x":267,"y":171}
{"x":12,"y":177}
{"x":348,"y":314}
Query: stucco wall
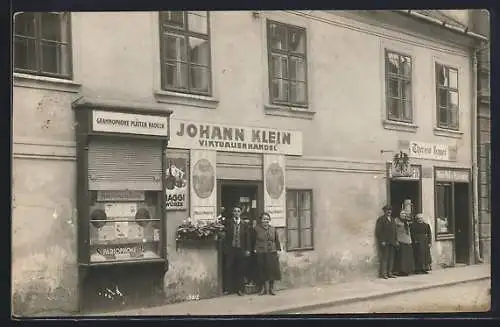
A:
{"x":44,"y":273}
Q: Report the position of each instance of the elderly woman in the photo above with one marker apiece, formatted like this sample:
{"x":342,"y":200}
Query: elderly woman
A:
{"x":266,"y":246}
{"x":422,"y":241}
{"x":405,"y":263}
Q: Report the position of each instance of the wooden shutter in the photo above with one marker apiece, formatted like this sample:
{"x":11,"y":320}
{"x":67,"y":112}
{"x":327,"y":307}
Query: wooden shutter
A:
{"x":116,"y":164}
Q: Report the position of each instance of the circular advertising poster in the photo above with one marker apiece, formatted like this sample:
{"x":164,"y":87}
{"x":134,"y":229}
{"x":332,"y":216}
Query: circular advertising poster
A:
{"x":275,"y":180}
{"x":203,"y":178}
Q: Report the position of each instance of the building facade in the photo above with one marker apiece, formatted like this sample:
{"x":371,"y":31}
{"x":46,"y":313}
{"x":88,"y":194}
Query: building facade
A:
{"x":302,"y":114}
{"x":480,"y":22}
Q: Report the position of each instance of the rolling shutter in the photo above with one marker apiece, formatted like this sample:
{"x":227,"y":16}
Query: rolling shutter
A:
{"x":116,"y":164}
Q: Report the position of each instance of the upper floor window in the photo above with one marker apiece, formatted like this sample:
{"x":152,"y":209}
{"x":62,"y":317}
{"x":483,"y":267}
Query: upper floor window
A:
{"x":185,"y":52}
{"x":447,"y":97}
{"x":42,"y":44}
{"x":287,"y":64}
{"x":398,"y":73}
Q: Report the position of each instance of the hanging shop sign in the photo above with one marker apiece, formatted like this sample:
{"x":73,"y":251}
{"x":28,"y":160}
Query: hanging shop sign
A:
{"x":120,"y":122}
{"x":221,"y":137}
{"x":274,"y":195}
{"x":203,"y":184}
{"x":176,"y":183}
{"x":431,"y":151}
{"x":452,"y":175}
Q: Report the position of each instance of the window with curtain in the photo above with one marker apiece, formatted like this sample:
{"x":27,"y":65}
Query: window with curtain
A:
{"x":42,"y":44}
{"x":398,"y":81}
{"x":299,"y":220}
{"x":447,"y":97}
{"x":287,"y":64}
{"x":185,"y":52}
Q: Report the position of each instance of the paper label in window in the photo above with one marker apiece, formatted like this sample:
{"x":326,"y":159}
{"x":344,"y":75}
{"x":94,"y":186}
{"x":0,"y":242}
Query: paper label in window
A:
{"x":120,"y":210}
{"x":156,"y":234}
{"x":121,"y":229}
{"x":140,"y":231}
{"x":106,"y":233}
{"x":254,"y":204}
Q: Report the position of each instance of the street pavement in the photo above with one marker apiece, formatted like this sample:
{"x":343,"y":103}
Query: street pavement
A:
{"x":467,"y":297}
{"x":295,"y":300}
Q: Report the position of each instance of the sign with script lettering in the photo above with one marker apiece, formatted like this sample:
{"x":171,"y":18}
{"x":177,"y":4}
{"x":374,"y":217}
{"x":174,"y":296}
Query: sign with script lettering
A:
{"x":127,"y":123}
{"x":221,"y":137}
{"x":274,"y":184}
{"x":430,"y":151}
{"x":203,"y":185}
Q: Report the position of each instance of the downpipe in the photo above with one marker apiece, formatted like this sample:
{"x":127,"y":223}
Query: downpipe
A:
{"x":474,"y":156}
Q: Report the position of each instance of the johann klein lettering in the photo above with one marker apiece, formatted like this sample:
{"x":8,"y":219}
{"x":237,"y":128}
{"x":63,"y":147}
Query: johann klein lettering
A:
{"x":216,"y":133}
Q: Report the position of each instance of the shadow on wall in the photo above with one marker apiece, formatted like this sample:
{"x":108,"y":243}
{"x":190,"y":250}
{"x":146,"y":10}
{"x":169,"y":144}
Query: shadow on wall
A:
{"x":46,"y":280}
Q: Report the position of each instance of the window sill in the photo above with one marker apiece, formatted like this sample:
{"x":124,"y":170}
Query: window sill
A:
{"x":448,"y":133}
{"x":445,"y":237}
{"x":191,"y":100}
{"x":300,"y":249}
{"x":46,"y":83}
{"x":399,"y":126}
{"x":292,"y":112}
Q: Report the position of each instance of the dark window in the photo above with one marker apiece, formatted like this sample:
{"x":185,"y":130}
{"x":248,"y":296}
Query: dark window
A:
{"x":287,"y":64}
{"x":42,"y":44}
{"x":447,"y":97}
{"x":398,"y":71}
{"x":299,"y":219}
{"x":444,"y":208}
{"x":185,"y":52}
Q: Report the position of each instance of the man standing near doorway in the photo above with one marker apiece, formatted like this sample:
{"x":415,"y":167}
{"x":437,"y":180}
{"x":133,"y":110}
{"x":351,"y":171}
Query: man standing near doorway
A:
{"x":236,"y":250}
{"x":385,"y":233}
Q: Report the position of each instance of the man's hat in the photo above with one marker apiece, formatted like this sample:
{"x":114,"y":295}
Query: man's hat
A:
{"x":386,"y":207}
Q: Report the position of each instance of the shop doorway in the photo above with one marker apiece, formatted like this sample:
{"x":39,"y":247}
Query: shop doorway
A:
{"x":401,"y":190}
{"x":462,"y":223}
{"x":249,"y":196}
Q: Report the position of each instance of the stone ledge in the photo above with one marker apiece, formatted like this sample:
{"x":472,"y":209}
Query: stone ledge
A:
{"x":45,"y":83}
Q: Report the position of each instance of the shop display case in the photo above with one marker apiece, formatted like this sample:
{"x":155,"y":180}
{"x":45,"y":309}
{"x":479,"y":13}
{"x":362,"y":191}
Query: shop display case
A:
{"x":121,"y":204}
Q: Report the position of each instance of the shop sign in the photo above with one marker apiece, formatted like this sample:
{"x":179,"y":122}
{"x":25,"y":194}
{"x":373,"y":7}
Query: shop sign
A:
{"x":117,"y":252}
{"x":274,"y":195}
{"x":203,"y":177}
{"x":451,"y":175}
{"x":176,"y":183}
{"x":105,"y":196}
{"x":430,"y":151}
{"x":127,"y":123}
{"x":221,"y":137}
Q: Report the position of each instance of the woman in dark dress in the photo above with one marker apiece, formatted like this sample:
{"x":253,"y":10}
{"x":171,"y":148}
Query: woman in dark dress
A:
{"x":422,"y":239}
{"x":404,"y":257}
{"x":266,"y":246}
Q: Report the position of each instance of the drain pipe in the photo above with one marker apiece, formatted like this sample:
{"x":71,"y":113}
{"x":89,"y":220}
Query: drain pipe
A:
{"x":474,"y":140}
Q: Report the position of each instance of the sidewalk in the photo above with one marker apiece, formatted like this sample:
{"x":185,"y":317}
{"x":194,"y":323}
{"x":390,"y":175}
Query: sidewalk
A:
{"x":293,"y":300}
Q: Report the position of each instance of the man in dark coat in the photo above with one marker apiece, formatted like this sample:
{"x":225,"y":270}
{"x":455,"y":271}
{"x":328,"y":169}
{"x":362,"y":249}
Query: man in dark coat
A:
{"x":237,"y":246}
{"x":385,"y":233}
{"x":422,"y":241}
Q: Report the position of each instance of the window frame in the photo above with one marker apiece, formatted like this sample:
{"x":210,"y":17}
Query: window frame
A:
{"x":387,"y":77}
{"x":186,"y":33}
{"x":438,"y":87}
{"x":38,"y":39}
{"x":299,"y":228}
{"x":288,"y":54}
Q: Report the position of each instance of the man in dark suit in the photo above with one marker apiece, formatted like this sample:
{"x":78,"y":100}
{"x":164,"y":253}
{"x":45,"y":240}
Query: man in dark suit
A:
{"x":237,"y":245}
{"x":385,"y":233}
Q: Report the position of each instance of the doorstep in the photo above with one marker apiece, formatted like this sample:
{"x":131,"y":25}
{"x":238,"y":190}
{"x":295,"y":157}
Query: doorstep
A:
{"x":293,"y":300}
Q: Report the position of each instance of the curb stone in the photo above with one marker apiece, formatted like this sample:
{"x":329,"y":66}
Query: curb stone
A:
{"x":375,"y":295}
